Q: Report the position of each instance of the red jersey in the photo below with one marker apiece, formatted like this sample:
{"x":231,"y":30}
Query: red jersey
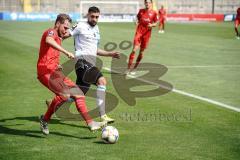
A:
{"x":48,"y":60}
{"x":162,"y":13}
{"x":238,"y":13}
{"x":145,"y":17}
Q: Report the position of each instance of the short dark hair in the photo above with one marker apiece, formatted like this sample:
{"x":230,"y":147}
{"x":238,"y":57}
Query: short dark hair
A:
{"x":147,"y":1}
{"x":93,"y":9}
{"x":62,"y":17}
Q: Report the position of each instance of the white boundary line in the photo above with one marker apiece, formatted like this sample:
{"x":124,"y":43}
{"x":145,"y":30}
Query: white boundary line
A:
{"x":184,"y":93}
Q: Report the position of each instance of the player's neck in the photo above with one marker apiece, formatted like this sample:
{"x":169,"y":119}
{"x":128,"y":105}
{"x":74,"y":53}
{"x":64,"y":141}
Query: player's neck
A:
{"x":56,"y":29}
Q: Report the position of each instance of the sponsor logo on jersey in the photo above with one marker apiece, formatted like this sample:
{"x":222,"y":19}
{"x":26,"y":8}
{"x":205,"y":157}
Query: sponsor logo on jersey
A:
{"x":146,"y":19}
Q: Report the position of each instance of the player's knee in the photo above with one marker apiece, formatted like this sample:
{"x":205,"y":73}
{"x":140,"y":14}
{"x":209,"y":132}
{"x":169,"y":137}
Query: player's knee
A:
{"x":62,"y":98}
{"x":142,"y":51}
{"x":132,"y":55}
{"x":65,"y":98}
{"x":75,"y":97}
{"x":135,"y":48}
{"x":102,"y":81}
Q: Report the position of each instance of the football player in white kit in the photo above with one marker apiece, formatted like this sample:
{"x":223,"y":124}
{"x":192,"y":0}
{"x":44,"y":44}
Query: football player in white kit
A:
{"x":86,"y":40}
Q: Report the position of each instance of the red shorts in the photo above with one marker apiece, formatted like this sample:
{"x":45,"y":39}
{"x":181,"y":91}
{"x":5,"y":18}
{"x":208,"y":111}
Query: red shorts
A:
{"x":141,"y":39}
{"x":162,"y":21}
{"x":58,"y":83}
{"x":237,"y":22}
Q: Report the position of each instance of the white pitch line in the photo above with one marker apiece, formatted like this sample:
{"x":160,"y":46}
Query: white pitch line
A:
{"x":184,"y":93}
{"x":207,"y":100}
{"x":195,"y":66}
{"x":205,"y":66}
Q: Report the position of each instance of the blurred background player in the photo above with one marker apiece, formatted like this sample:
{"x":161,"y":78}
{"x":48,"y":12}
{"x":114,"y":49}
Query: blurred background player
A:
{"x":48,"y":68}
{"x":237,"y":22}
{"x":162,"y":19}
{"x":146,"y":19}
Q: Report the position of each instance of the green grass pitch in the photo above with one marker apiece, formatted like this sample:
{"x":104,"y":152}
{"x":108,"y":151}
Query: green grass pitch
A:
{"x":202,"y":59}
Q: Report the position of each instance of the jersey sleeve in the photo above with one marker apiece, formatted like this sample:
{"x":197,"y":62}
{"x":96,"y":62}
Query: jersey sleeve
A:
{"x":51,"y":33}
{"x":75,"y":30}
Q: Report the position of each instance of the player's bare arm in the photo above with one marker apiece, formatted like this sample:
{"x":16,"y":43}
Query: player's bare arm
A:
{"x":53,"y":43}
{"x":136,"y":22}
{"x":113,"y":54}
{"x":150,"y":25}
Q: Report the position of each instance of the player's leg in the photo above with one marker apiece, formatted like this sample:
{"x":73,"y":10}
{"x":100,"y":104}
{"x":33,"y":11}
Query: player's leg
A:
{"x":57,"y":100}
{"x":44,"y":119}
{"x":236,"y":28}
{"x":144,"y":43}
{"x":100,"y":99}
{"x":64,"y":88}
{"x":132,"y":56}
{"x":76,"y":93}
{"x":79,"y":97}
{"x":163,"y":25}
{"x":160,"y":26}
{"x":139,"y":58}
{"x":88,"y":74}
{"x":82,"y":76}
{"x":136,"y":44}
{"x":82,"y":109}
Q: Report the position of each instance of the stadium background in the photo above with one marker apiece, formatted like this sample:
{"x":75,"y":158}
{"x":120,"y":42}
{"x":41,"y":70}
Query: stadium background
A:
{"x":47,"y":9}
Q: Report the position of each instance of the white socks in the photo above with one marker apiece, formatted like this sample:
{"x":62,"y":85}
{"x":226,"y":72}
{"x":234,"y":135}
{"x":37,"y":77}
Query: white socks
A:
{"x":101,"y":99}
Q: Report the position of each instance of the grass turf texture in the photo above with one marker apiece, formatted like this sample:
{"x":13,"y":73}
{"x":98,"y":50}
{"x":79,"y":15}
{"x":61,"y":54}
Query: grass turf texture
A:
{"x":204,"y":131}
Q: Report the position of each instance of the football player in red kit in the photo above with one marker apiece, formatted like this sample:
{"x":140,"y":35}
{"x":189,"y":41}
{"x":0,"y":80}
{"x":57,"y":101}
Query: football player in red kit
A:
{"x":237,"y":22}
{"x":162,"y":19}
{"x":146,"y":19}
{"x":51,"y":76}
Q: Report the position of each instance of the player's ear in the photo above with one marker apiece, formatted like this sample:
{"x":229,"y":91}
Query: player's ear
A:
{"x":57,"y":24}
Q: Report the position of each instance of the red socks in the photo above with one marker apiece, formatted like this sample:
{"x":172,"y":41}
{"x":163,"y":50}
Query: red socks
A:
{"x":82,"y":109}
{"x":56,"y":102}
{"x":131,"y":58}
{"x":140,"y":56}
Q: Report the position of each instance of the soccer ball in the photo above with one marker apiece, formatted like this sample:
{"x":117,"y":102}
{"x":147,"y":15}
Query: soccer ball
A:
{"x":110,"y":135}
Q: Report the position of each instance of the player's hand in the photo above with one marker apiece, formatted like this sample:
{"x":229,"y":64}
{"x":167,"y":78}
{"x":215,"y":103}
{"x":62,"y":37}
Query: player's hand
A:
{"x":150,"y":25}
{"x":70,"y":55}
{"x":115,"y":54}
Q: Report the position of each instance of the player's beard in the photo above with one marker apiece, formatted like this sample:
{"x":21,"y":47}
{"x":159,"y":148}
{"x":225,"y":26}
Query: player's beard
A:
{"x":92,"y":23}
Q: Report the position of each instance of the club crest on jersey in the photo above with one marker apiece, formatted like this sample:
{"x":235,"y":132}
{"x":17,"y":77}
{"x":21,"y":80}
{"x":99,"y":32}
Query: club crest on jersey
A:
{"x":50,"y":33}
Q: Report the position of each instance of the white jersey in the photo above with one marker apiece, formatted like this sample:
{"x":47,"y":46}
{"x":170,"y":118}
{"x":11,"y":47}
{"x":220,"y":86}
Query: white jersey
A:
{"x":86,"y":40}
